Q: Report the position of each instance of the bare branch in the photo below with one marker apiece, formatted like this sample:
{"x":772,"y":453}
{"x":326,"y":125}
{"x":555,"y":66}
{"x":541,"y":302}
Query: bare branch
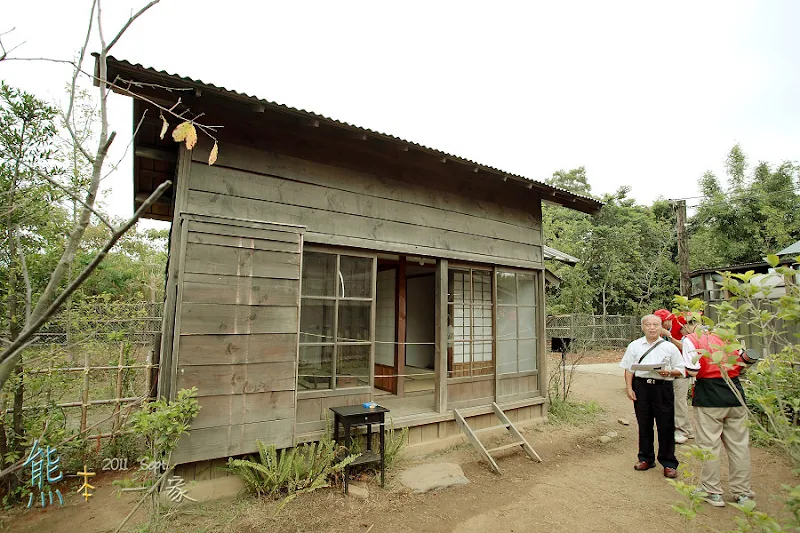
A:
{"x":3,"y":52}
{"x":73,"y":195}
{"x":68,"y":118}
{"x":25,"y":277}
{"x":30,"y":329}
{"x":127,"y":24}
{"x":127,"y":147}
{"x":150,"y":491}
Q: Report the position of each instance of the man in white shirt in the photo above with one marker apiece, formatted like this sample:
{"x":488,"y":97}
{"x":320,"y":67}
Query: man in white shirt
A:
{"x":652,"y":394}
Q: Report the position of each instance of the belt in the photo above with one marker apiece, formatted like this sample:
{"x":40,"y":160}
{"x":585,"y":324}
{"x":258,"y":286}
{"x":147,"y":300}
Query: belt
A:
{"x":652,"y":381}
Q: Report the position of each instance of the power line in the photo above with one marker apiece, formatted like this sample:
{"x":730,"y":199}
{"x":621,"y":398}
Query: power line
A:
{"x":728,"y":194}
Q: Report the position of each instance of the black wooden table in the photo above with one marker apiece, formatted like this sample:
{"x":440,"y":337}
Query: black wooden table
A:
{"x":358,"y":415}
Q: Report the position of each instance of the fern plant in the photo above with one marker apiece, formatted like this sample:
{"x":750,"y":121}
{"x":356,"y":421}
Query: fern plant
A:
{"x":289,"y":472}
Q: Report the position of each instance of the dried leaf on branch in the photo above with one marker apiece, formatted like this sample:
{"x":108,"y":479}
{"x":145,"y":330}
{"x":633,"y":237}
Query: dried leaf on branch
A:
{"x":164,"y":125}
{"x":212,"y":157}
{"x":185,"y":132}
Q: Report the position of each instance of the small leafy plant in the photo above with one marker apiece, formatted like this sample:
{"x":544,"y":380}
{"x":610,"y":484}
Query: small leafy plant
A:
{"x":292,"y":471}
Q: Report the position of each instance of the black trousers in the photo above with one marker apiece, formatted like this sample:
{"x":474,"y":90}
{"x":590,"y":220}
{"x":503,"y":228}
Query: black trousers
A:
{"x":655,"y":402}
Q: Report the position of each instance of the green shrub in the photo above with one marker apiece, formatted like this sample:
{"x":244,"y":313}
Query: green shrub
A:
{"x":292,"y":471}
{"x":571,"y":412}
{"x":393,"y":443}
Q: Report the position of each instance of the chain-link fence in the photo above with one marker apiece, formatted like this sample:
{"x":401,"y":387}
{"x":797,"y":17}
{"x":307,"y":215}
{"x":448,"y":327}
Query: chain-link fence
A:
{"x":136,"y":323}
{"x":594,"y":331}
{"x":92,"y":363}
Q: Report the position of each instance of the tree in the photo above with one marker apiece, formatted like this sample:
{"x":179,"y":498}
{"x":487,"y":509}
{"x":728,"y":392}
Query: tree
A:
{"x":51,"y":298}
{"x":627,"y":252}
{"x":27,"y":131}
{"x":757,"y":214}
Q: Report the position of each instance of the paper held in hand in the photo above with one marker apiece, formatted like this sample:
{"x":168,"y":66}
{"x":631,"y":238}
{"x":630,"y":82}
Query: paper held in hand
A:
{"x":647,"y":367}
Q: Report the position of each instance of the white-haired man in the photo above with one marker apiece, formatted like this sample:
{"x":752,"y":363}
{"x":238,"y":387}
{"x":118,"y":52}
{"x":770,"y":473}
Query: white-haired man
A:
{"x":652,"y":394}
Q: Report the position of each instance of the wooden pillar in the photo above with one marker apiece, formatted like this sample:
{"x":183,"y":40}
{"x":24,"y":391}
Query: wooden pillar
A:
{"x":400,"y":333}
{"x":181,"y":187}
{"x":440,"y":292}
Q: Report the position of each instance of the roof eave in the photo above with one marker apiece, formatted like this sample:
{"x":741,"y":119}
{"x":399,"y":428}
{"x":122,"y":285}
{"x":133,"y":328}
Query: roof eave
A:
{"x":548,"y":193}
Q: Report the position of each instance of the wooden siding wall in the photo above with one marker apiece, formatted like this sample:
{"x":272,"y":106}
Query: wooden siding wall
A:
{"x":344,"y":207}
{"x":511,"y":387}
{"x":313,"y":411}
{"x":470,"y":392}
{"x":236,"y":333}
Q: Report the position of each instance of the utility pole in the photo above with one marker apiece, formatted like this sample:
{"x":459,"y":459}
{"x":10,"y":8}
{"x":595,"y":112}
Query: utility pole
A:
{"x":683,"y":247}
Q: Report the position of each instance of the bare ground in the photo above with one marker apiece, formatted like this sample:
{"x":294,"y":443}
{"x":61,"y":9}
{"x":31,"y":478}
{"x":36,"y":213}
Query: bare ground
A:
{"x":582,"y":485}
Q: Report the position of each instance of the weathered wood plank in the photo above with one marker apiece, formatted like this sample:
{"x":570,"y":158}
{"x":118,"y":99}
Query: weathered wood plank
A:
{"x":308,"y":410}
{"x":408,"y":249}
{"x":210,"y":259}
{"x":221,"y":228}
{"x":492,"y":202}
{"x":328,"y":197}
{"x":228,"y":220}
{"x":512,"y":388}
{"x":224,"y":410}
{"x":249,"y":378}
{"x":233,"y":349}
{"x":242,"y":242}
{"x":470,"y":394}
{"x":381,"y":231}
{"x":219,"y":289}
{"x":214,"y":442}
{"x":197,"y":318}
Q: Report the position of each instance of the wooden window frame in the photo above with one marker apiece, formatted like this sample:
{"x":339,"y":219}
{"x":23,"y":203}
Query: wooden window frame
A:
{"x":539,"y":309}
{"x":470,"y":268}
{"x":333,"y":390}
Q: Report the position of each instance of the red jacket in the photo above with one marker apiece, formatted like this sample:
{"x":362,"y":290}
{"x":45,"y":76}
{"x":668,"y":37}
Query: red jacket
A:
{"x":706,"y":344}
{"x":710,"y":389}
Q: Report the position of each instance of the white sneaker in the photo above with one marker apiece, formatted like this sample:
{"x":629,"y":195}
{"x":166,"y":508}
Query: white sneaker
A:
{"x":680,"y":438}
{"x":711,"y":499}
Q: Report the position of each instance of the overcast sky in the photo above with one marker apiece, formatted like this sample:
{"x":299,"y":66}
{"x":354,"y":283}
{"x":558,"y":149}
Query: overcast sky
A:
{"x":644,"y":94}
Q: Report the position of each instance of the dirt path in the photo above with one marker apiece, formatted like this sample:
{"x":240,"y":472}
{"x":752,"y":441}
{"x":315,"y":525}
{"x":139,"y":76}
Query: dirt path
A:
{"x":582,"y":485}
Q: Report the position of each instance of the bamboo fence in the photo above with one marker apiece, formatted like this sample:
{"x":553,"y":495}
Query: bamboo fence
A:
{"x":87,"y":331}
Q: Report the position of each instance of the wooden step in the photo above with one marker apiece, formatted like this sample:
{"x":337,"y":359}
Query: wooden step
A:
{"x":504,"y":423}
{"x":505,"y":447}
{"x":505,"y":426}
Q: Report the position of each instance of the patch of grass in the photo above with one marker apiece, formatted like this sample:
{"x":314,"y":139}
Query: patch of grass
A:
{"x":571,"y":412}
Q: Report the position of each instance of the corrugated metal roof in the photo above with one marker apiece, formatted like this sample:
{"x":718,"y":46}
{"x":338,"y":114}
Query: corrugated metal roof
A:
{"x":552,"y":253}
{"x":793,"y":249}
{"x":592,"y":204}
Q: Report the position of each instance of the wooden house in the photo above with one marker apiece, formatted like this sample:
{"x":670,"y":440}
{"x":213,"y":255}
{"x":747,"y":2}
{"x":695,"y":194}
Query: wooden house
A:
{"x":321,"y":264}
{"x":705,"y":284}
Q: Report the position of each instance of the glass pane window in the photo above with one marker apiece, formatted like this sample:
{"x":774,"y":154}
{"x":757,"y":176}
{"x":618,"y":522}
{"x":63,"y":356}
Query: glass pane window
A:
{"x":469,"y":322}
{"x":319,"y":274}
{"x":516,"y":322}
{"x":354,"y":321}
{"x":316,"y":320}
{"x":356,"y":277}
{"x":315,"y":370}
{"x":336,"y":329}
{"x":352,"y":365}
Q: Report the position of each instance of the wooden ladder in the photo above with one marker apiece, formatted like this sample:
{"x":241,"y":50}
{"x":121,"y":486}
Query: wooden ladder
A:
{"x":504,"y":423}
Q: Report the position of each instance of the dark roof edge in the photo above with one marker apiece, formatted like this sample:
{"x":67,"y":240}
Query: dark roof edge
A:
{"x":738,"y":268}
{"x":551,"y":194}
